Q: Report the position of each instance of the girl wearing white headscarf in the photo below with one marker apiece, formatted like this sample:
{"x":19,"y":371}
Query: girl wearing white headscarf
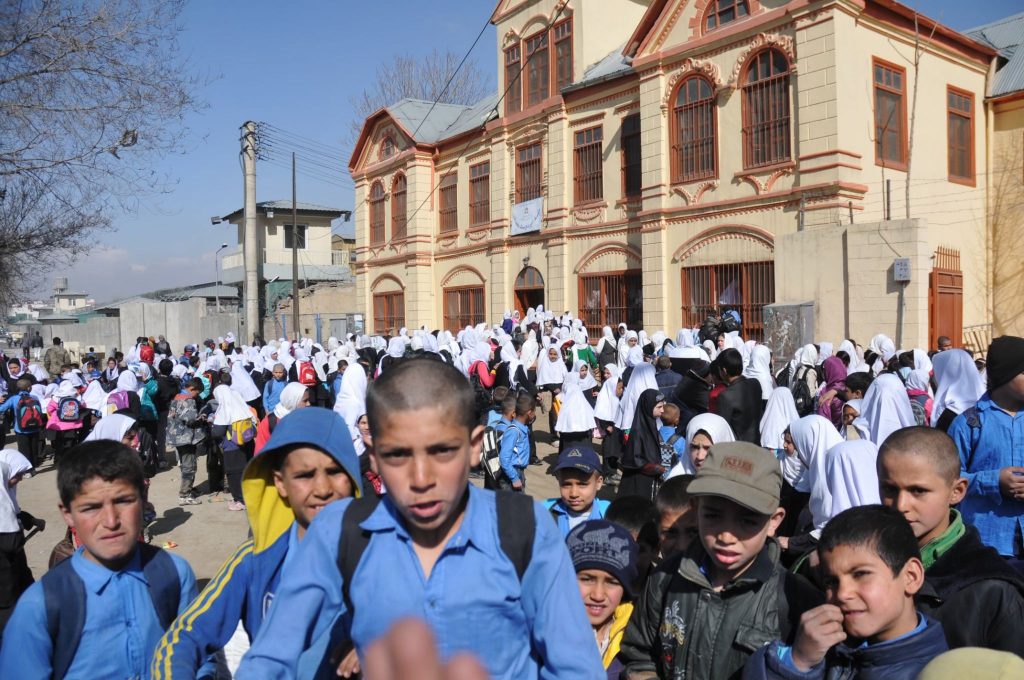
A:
{"x":959,"y":386}
{"x":351,"y":400}
{"x":581,"y":370}
{"x":628,"y":340}
{"x":115,"y":427}
{"x":919,"y":390}
{"x":530,"y":350}
{"x":18,"y":576}
{"x":64,"y":417}
{"x":851,"y":410}
{"x":779,"y":413}
{"x":241,"y":382}
{"x":708,"y":429}
{"x":575,"y":424}
{"x":760,"y":369}
{"x":886,"y":408}
{"x":851,"y":475}
{"x":234,"y":426}
{"x":124,"y":398}
{"x":813,"y":436}
{"x":606,"y":345}
{"x":640,"y":380}
{"x":293,"y":396}
{"x":551,"y":374}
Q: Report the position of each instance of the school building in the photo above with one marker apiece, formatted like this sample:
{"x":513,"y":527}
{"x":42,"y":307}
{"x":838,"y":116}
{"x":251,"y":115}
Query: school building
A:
{"x":654,"y":161}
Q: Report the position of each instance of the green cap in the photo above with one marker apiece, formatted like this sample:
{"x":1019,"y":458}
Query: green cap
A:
{"x":741,"y":472}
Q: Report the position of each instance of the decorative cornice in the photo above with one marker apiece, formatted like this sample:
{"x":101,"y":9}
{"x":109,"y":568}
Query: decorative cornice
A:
{"x":380,"y":279}
{"x":722,"y":233}
{"x":700,"y":67}
{"x":693,"y":197}
{"x":459,"y":270}
{"x":771,"y":176}
{"x":760,"y":42}
{"x":607,"y":248}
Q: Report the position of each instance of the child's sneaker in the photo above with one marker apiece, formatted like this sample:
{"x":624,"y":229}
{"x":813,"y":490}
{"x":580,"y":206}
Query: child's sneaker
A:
{"x":236,"y":506}
{"x":188,"y":500}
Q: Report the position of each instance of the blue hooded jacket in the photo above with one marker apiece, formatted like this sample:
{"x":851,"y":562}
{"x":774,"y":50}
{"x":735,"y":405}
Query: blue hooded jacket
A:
{"x":244,"y":587}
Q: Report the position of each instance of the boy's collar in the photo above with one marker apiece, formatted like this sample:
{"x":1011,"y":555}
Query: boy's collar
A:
{"x":96,"y":576}
{"x":697,"y":566}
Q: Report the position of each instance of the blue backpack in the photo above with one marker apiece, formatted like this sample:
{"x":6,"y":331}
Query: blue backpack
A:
{"x":64,"y":595}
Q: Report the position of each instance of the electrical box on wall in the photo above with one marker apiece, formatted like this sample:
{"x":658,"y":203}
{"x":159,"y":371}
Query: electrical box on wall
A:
{"x":901,"y":269}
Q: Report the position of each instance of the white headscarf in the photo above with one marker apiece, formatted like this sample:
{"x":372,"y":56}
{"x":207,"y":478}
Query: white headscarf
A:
{"x":550,"y":372}
{"x":760,"y":369}
{"x":94,"y":397}
{"x":959,"y":384}
{"x":607,"y":338}
{"x":640,"y":380}
{"x":576,"y":413}
{"x":813,"y":436}
{"x":112,"y":427}
{"x":529,"y":351}
{"x":586,"y":383}
{"x":241,"y":382}
{"x":230,"y":406}
{"x":607,"y":404}
{"x":856,"y":405}
{"x":624,"y":346}
{"x":290,"y":396}
{"x":779,"y":414}
{"x":127,"y":382}
{"x":351,"y":400}
{"x":12,"y":464}
{"x":918,"y":379}
{"x":715,"y":426}
{"x":396,"y":347}
{"x":851,"y":475}
{"x":886,"y":409}
{"x":922,"y":361}
{"x":634,"y":357}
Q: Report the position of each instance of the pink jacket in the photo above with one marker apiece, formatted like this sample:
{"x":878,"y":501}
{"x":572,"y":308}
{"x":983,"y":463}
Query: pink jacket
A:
{"x":55,"y":423}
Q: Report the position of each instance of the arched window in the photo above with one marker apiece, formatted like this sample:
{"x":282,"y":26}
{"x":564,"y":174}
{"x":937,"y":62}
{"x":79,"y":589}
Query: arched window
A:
{"x":377,"y":213}
{"x":693,"y":134}
{"x":721,"y":12}
{"x":766,"y":110}
{"x":387,"y":147}
{"x":398,"y":207}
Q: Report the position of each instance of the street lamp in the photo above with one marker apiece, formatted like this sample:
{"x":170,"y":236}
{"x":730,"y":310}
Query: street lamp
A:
{"x":216,"y":264}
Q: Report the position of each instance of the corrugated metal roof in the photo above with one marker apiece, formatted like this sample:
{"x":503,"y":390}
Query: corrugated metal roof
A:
{"x":1006,"y":36}
{"x":444,"y":121}
{"x":286,"y":205}
{"x":611,"y":66}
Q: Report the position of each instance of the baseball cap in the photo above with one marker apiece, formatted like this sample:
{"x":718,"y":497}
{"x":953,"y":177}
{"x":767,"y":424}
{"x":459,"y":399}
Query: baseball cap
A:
{"x":579,"y":458}
{"x":742,"y":473}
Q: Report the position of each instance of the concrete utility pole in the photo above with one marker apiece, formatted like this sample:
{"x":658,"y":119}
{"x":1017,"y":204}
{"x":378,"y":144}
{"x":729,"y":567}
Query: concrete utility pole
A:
{"x":295,"y":258}
{"x":250,"y":240}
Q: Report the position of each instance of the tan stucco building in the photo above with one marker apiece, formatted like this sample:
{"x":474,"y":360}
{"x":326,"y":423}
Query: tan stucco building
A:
{"x":654,"y":161}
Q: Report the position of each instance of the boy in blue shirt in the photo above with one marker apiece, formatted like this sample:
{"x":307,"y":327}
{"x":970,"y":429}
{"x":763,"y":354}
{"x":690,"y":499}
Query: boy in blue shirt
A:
{"x":430,"y":549}
{"x":130,"y":592}
{"x":307,"y":463}
{"x":578,"y":471}
{"x":869,"y":627}
{"x":27,"y":413}
{"x":514,"y":451}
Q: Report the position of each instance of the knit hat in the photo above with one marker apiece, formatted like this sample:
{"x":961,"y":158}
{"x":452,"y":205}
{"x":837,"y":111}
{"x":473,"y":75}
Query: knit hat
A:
{"x":974,"y":662}
{"x":599,"y":544}
{"x":1005,"y":360}
{"x":742,"y":473}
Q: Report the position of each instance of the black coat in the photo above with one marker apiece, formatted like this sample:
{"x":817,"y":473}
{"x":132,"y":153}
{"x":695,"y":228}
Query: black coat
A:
{"x":741,"y":406}
{"x":976,"y":595}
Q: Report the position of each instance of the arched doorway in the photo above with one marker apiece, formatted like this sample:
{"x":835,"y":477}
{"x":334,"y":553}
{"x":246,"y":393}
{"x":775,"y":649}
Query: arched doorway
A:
{"x":529,"y":290}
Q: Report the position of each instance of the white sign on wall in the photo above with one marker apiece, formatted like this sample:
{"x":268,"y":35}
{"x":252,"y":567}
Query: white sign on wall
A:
{"x":527,"y":216}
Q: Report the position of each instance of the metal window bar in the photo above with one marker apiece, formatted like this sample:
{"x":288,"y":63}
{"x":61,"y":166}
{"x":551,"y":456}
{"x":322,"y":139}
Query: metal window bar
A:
{"x":588,"y":174}
{"x":514,"y":99}
{"x":632,"y":156}
{"x":398,"y":217}
{"x":695,"y":131}
{"x":377,"y":214}
{"x":710,"y":290}
{"x":610,"y":298}
{"x":463,"y":307}
{"x":388,"y":311}
{"x":528,"y":171}
{"x":537,"y":69}
{"x":563,"y":53}
{"x":766,"y":111}
{"x":449,"y":207}
{"x":480,"y":193}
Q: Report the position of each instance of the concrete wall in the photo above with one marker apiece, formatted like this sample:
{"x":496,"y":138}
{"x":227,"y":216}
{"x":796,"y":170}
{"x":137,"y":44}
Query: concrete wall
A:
{"x":328,"y":300}
{"x":847,"y":271}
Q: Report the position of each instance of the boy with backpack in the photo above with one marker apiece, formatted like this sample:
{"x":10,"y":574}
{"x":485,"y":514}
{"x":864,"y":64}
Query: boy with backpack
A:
{"x":186,"y":429}
{"x":514,"y":452}
{"x":869,"y":627}
{"x":969,"y":588}
{"x":434,"y":547}
{"x":64,"y":418}
{"x":308,"y":463}
{"x":578,"y":472}
{"x":705,"y":611}
{"x":100,"y":613}
{"x":28,"y":420}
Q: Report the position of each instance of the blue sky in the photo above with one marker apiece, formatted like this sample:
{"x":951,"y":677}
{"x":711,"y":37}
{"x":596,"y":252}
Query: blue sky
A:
{"x":295,"y":68}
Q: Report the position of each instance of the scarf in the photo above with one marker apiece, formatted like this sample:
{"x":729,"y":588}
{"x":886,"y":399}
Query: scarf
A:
{"x":714,"y":426}
{"x":644,"y":445}
{"x":289,"y":399}
{"x":940,"y":545}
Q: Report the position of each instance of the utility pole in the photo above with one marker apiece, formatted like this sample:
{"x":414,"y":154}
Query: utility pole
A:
{"x":295,"y":258}
{"x":250,"y":239}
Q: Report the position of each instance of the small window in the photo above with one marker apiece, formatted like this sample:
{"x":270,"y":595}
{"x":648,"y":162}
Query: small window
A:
{"x":890,"y":115}
{"x":289,"y":237}
{"x":721,"y":12}
{"x":960,"y":121}
{"x":513,"y":83}
{"x":563,"y":54}
{"x":480,"y":194}
{"x":537,"y":69}
{"x":377,"y":213}
{"x":387,"y":147}
{"x":632,"y":157}
{"x":587,"y":156}
{"x":463,"y":307}
{"x":528,"y":173}
{"x":693,"y":134}
{"x":766,"y":110}
{"x":388,"y":313}
{"x":449,"y":210}
{"x":398,"y":207}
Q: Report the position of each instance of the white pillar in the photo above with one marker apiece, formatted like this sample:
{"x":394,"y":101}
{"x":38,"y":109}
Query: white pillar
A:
{"x":250,"y":241}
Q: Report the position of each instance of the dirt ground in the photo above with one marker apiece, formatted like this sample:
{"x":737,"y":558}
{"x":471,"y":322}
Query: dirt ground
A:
{"x":204,"y":534}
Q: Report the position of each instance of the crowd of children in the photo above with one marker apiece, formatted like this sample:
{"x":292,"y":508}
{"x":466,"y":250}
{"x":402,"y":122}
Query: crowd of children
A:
{"x":855,"y":514}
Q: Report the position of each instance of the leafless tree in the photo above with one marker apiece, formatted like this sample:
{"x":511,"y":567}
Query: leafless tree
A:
{"x":419,"y":78}
{"x":92,"y":93}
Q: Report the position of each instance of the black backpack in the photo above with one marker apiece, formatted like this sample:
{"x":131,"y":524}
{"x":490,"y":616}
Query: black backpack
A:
{"x":709,"y":329}
{"x":483,"y":395}
{"x":65,"y":602}
{"x":802,"y":397}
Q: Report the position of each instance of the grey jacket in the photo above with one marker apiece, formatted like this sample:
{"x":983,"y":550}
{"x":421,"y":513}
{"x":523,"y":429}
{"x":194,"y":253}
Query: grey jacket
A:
{"x":684,"y":630}
{"x":183,"y":426}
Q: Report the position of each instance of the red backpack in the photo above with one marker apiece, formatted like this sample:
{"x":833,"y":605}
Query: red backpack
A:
{"x":307,"y":374}
{"x":146,"y":354}
{"x":30,"y":414}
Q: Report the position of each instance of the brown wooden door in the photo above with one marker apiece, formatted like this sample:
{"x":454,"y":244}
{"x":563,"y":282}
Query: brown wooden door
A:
{"x":945,"y":306}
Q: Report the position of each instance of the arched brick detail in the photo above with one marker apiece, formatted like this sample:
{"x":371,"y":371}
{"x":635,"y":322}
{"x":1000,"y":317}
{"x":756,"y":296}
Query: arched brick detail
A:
{"x":700,"y":8}
{"x":721,"y":233}
{"x":597,"y":251}
{"x":386,"y":277}
{"x":459,"y":270}
{"x":763,"y":41}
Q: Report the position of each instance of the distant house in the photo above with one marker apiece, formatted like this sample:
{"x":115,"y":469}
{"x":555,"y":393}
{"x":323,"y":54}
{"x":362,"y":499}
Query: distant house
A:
{"x":319,"y":257}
